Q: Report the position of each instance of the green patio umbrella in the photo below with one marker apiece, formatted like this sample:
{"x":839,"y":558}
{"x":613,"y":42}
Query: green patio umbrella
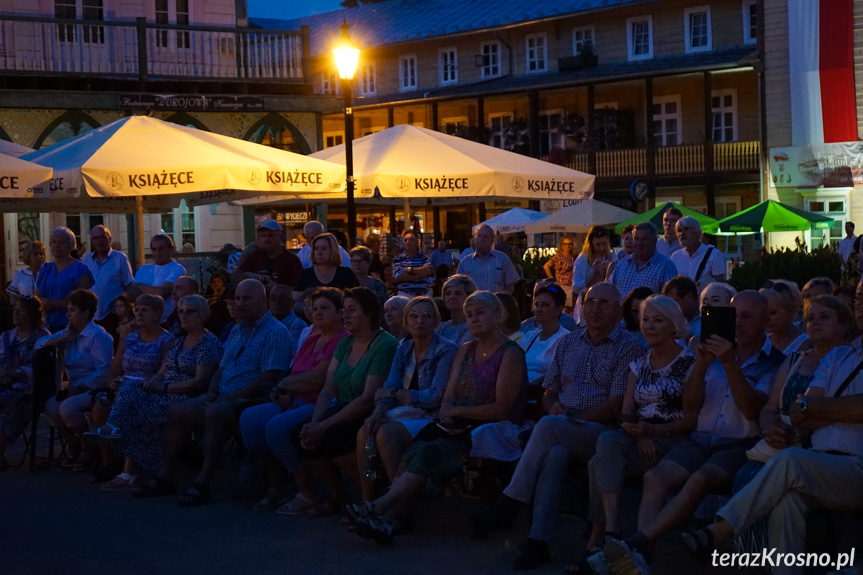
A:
{"x":655,"y":216}
{"x":771,"y":216}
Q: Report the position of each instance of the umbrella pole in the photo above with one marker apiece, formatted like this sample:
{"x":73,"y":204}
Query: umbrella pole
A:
{"x":139,"y":229}
{"x":407,"y":213}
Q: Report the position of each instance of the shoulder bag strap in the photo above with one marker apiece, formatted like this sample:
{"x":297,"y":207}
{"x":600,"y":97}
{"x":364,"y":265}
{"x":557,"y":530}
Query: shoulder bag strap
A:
{"x":844,"y":385}
{"x":703,"y":263}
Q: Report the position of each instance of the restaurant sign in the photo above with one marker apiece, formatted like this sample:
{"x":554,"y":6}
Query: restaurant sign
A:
{"x":190,"y":103}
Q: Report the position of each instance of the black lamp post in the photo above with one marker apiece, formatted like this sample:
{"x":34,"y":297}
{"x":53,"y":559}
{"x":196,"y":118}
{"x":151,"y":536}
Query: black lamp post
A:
{"x":347,"y":57}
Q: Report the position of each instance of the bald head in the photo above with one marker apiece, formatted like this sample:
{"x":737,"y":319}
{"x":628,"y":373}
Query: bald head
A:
{"x":602,"y":309}
{"x":183,"y":286}
{"x":250,"y":301}
{"x":607,"y":291}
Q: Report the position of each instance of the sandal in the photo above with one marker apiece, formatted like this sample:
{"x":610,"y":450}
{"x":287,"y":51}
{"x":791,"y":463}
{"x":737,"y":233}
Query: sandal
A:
{"x":195,"y":496}
{"x":359,"y":512}
{"x":105,"y":433}
{"x":699,"y":542}
{"x":378,"y":529}
{"x":581,"y":566}
{"x":155,"y":487}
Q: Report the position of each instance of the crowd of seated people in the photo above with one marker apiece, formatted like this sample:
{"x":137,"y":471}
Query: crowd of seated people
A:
{"x":351,"y":399}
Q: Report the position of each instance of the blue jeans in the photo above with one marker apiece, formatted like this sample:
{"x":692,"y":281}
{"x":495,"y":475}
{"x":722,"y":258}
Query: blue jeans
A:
{"x":268,"y":427}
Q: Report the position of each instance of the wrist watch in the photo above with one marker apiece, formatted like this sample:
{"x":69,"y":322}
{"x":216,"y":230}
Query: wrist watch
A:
{"x":804,"y":404}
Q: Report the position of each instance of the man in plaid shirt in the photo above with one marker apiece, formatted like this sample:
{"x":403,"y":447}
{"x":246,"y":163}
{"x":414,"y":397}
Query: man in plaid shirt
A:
{"x":646,"y":266}
{"x":584,"y":388}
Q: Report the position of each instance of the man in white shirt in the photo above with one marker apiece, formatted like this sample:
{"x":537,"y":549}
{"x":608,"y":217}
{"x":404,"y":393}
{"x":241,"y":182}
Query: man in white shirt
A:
{"x":846,"y":244}
{"x":311,"y":230}
{"x":158,"y":277}
{"x":699,"y":262}
{"x":111,"y":274}
{"x":669,"y":243}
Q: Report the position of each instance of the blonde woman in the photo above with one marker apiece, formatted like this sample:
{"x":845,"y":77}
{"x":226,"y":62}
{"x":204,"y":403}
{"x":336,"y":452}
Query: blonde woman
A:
{"x":591,"y":265}
{"x":784,"y":304}
{"x":24,"y":280}
{"x":327,"y":269}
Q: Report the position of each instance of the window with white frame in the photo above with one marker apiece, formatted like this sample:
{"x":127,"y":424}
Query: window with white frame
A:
{"x":448,"y":66}
{"x":330,"y":83}
{"x":80,"y":10}
{"x":176,"y":12}
{"x":750,"y":21}
{"x":498,"y":123}
{"x":549,"y":136}
{"x":723,"y":105}
{"x":639,"y":37}
{"x":408,"y":72}
{"x":535,"y":53}
{"x":368,"y":80}
{"x":666,"y":125}
{"x":333,"y":139}
{"x":490,"y":52}
{"x":697,"y":29}
{"x":832,"y":206}
{"x":179,"y":223}
{"x":586,"y":35}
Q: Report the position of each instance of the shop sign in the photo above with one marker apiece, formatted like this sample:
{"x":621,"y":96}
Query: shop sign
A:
{"x":838,"y":165}
{"x":507,"y":204}
{"x":294,"y":217}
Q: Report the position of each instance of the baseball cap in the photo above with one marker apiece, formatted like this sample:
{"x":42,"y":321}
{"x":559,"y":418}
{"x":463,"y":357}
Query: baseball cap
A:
{"x":270,"y":225}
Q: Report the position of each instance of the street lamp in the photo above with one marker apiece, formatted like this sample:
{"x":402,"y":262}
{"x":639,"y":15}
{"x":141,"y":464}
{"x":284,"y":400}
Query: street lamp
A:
{"x":347,"y":55}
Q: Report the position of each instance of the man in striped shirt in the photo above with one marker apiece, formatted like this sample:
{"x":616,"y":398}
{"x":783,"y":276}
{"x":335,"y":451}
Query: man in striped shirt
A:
{"x":412,"y":269}
{"x":490,"y":269}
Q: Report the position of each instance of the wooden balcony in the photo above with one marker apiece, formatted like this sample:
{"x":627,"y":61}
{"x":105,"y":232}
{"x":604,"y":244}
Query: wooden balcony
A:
{"x":728,"y":157}
{"x":145,"y":51}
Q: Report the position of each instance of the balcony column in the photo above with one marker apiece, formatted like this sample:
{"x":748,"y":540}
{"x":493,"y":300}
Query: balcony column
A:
{"x":436,"y":224}
{"x":709,"y":189}
{"x":390,"y":117}
{"x":434,"y":116}
{"x":650,"y":159}
{"x":533,"y":122}
{"x":480,"y":114}
{"x":393,"y":219}
{"x":591,"y":129}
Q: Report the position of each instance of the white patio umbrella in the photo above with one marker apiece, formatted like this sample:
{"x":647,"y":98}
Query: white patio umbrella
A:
{"x":411,"y":162}
{"x":580,"y":218}
{"x":13,"y":149}
{"x":513,"y":220}
{"x":142,"y":162}
{"x":18,"y":177}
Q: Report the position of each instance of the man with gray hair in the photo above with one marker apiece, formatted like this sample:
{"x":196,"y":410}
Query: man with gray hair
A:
{"x":158,"y":277}
{"x":697,"y":261}
{"x":490,"y":269}
{"x":311,"y":230}
{"x":584,"y":388}
{"x":111,"y":274}
{"x":645,"y":267}
{"x":185,"y":285}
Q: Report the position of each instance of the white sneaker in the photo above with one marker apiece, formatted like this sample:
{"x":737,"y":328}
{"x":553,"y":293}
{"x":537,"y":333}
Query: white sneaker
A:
{"x":621,"y":560}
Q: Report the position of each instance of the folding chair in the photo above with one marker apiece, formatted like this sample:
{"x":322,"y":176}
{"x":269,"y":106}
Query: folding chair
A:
{"x":44,"y":387}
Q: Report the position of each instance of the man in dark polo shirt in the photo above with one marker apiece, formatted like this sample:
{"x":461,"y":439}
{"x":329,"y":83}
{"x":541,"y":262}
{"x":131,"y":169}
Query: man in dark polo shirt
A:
{"x":270,"y":262}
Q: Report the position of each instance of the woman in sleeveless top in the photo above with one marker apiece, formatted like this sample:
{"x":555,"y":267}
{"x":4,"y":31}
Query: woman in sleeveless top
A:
{"x":487,"y":383}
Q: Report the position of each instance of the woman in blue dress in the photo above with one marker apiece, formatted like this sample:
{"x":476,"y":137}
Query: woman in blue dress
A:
{"x":61,"y":277}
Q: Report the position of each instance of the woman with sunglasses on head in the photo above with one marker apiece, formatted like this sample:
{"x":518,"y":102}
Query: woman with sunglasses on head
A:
{"x":591,"y":265}
{"x":267,"y":428}
{"x":411,"y":394}
{"x":560,"y":268}
{"x":784,"y":303}
{"x":16,"y":369}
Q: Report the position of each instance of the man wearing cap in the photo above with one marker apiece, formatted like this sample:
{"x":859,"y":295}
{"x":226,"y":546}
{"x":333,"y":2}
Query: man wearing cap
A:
{"x":270,"y":263}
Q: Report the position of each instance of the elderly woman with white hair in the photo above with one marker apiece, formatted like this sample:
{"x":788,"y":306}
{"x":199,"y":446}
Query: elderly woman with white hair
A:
{"x":717,"y":294}
{"x":394,"y":310}
{"x":654,"y":418}
{"x":61,"y":277}
{"x":784,"y":304}
{"x":24,"y":281}
{"x":455,"y":291}
{"x":487,"y":383}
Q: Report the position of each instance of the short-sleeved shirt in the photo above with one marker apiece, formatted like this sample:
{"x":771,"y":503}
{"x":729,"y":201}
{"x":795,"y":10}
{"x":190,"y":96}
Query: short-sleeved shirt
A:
{"x":295,"y":327}
{"x":458,"y":333}
{"x":563,"y":266}
{"x":441,"y":258}
{"x":343,"y":279}
{"x":250,"y":351}
{"x":586,"y":373}
{"x":23,"y":283}
{"x":538,"y":352}
{"x":846,"y":248}
{"x":377,"y":360}
{"x":688,"y":264}
{"x":492,"y":273}
{"x":110,"y":278}
{"x":628,"y":274}
{"x":53,"y":285}
{"x":402,"y":261}
{"x":720,"y":418}
{"x":182,"y":364}
{"x":307,"y":358}
{"x":88,"y":358}
{"x":835,"y":367}
{"x":285,"y":268}
{"x":665,"y":247}
{"x":659,"y":392}
{"x":155,"y":275}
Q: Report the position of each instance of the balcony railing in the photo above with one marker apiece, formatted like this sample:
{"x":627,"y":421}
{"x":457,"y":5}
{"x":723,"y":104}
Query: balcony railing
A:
{"x":141,"y":50}
{"x":676,"y":160}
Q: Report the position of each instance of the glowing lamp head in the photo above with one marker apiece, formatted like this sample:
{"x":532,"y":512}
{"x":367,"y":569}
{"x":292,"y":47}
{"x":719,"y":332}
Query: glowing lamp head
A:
{"x":347,"y":54}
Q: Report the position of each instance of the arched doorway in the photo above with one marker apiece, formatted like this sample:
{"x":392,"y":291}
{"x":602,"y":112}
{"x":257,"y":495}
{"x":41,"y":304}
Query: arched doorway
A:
{"x":67,"y":125}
